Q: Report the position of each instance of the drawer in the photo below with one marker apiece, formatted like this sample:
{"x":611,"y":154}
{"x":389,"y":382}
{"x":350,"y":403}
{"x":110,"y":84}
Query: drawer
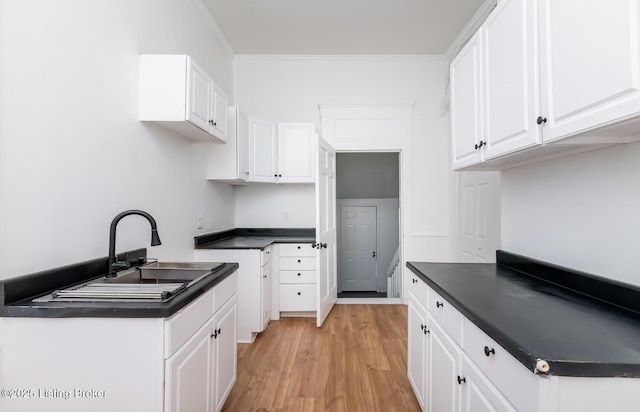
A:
{"x":297,"y":298}
{"x":224,"y":290}
{"x":296,"y":249}
{"x":446,"y":315}
{"x":265,"y":256}
{"x":300,"y":263}
{"x":182,"y":325}
{"x":419,"y":289}
{"x":520,"y":386}
{"x":297,"y":276}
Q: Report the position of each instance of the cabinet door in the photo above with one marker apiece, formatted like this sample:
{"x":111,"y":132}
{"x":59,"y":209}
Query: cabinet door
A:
{"x":262,"y":151}
{"x":198,"y":110}
{"x":510,"y":71}
{"x":418,"y":346}
{"x":444,"y":371}
{"x":188,"y":375}
{"x":219,"y":110}
{"x":478,"y":394}
{"x":590,"y":64}
{"x":265,"y":287}
{"x":465,"y":105}
{"x":224,"y":351}
{"x":296,"y":154}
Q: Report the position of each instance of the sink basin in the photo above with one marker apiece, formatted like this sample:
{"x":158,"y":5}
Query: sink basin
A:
{"x":166,"y":272}
{"x":156,"y":281}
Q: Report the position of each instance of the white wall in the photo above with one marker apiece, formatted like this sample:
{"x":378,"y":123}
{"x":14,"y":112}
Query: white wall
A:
{"x":264,"y":206}
{"x":72,"y":152}
{"x":290,"y":88}
{"x":580,"y":211}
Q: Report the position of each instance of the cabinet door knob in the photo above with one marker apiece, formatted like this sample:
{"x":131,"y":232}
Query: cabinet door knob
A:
{"x":461,"y":380}
{"x":541,"y":120}
{"x":480,"y":144}
{"x":299,"y":260}
{"x":299,"y":293}
{"x":488,"y":352}
{"x":298,"y":274}
{"x":439,"y":304}
{"x":299,"y":247}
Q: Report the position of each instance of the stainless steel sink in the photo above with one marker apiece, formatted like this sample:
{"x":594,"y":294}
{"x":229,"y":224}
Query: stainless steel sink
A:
{"x":166,"y":272}
{"x":156,"y":281}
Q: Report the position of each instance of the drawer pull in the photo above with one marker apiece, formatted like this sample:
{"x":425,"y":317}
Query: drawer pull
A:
{"x":216,"y":333}
{"x":414,"y":280}
{"x":298,"y":260}
{"x":461,"y":380}
{"x":298,"y":274}
{"x":488,"y":352}
{"x":299,"y":293}
{"x":439,"y":304}
{"x":299,"y":247}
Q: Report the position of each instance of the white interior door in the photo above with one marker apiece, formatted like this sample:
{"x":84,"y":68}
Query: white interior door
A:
{"x":358,"y":260}
{"x":327,"y":285}
{"x":479,"y":216}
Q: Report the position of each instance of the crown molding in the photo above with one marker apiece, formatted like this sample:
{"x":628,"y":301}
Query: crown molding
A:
{"x":471,"y":27}
{"x":211,"y":22}
{"x":345,"y":57}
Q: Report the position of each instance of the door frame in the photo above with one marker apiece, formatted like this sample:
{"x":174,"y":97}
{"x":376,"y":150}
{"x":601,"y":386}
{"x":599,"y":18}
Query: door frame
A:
{"x":368,"y":202}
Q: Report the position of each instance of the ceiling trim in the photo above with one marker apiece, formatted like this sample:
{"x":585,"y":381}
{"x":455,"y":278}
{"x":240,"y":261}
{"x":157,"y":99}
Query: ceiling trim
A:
{"x":387,"y":57}
{"x":471,"y":27}
{"x":211,"y":22}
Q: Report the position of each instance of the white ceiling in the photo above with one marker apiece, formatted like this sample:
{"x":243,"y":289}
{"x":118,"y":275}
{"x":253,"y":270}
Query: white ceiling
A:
{"x":338,"y":27}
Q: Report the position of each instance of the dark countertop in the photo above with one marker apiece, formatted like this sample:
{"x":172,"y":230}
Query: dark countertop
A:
{"x":253,"y":238}
{"x":578,"y":334}
{"x":16,"y":294}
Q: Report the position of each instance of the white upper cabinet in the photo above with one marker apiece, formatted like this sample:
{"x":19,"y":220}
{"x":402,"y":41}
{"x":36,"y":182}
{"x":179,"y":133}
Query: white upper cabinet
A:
{"x":466,"y":104}
{"x":296,"y":152}
{"x":494,"y":87}
{"x":509,"y":62}
{"x":546,"y":78}
{"x":590,"y":64}
{"x":176,"y":93}
{"x":229,"y":162}
{"x":262,"y":151}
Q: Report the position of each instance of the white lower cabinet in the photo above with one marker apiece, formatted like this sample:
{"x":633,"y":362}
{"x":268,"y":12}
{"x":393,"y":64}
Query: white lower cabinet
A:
{"x":418,"y":349}
{"x":444,"y":376}
{"x":297,"y":278}
{"x":188,"y":374}
{"x":455,"y":366}
{"x":254,"y":296}
{"x":478,"y":394}
{"x":183,"y":363}
{"x":200,"y":375}
{"x":224,"y":353}
{"x":444,"y":371}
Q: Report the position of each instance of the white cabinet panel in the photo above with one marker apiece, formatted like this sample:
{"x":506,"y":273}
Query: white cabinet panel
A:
{"x":444,"y":371}
{"x":510,"y":70}
{"x":229,"y":162}
{"x":297,"y":297}
{"x":188,"y":376}
{"x":478,"y":394}
{"x":224,"y":353}
{"x":262,"y":150}
{"x":418,"y":348}
{"x":466,"y":104}
{"x":296,"y":154}
{"x":590,"y":64}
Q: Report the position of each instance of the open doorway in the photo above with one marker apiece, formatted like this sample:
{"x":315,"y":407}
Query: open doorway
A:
{"x":368,"y":231}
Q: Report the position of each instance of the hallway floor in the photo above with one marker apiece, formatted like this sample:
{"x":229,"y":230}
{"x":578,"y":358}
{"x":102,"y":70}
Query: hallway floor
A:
{"x":356,"y":362}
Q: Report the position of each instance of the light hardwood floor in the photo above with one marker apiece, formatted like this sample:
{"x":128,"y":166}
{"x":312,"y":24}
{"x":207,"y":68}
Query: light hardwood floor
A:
{"x":356,"y":362}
